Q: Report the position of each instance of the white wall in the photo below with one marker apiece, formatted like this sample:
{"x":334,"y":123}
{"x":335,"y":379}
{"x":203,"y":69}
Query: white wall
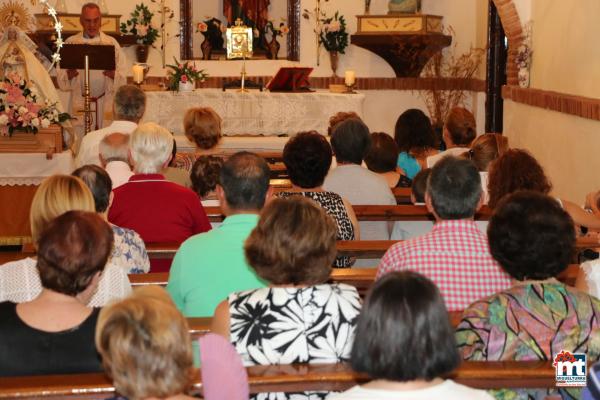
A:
{"x":383,"y":107}
{"x":461,"y":14}
{"x":566,"y":59}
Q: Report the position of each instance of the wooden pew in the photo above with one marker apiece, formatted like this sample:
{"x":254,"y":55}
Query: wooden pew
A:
{"x":374,"y":213}
{"x":352,"y":248}
{"x":290,"y":378}
{"x":199,"y":326}
{"x":361,"y":278}
{"x":402,"y":195}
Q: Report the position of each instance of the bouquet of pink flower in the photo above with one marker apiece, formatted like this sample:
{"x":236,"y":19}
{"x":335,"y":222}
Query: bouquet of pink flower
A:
{"x":20,"y":109}
{"x":332,"y":33}
{"x":140,"y":25}
{"x":184,"y":72}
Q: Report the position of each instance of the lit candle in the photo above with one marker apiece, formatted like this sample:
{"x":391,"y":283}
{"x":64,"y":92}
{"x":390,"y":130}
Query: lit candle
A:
{"x":86,"y":70}
{"x":350,"y":77}
{"x":138,"y":73}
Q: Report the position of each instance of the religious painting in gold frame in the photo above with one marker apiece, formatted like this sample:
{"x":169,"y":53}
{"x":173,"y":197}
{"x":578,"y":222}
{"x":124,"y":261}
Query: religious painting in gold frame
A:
{"x":239,"y":41}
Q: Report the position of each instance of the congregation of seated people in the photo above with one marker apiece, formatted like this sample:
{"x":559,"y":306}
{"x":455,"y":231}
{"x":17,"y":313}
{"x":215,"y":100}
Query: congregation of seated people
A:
{"x":263,"y":274}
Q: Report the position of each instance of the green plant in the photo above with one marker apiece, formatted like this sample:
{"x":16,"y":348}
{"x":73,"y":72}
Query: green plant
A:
{"x":140,"y":25}
{"x":184,"y":72}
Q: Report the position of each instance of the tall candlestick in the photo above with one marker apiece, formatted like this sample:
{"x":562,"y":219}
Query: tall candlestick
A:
{"x":87,"y":117}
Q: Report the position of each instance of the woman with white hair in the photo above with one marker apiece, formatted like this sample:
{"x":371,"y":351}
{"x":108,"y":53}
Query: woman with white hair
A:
{"x":159,"y":210}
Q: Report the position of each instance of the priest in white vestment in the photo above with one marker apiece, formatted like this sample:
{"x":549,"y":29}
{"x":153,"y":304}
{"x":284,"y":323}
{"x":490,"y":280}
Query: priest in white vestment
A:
{"x":102,"y":83}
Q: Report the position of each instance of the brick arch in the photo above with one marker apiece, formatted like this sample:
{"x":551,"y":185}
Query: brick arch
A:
{"x":514,"y":33}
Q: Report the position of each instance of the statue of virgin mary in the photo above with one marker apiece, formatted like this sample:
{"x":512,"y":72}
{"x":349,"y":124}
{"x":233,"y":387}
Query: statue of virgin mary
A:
{"x":17,"y":56}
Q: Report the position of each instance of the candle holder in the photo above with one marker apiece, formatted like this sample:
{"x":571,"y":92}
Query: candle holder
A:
{"x":350,"y":88}
{"x":139,"y":72}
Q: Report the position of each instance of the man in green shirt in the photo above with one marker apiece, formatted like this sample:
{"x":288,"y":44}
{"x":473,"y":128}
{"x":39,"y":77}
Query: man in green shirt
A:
{"x":209,"y":266}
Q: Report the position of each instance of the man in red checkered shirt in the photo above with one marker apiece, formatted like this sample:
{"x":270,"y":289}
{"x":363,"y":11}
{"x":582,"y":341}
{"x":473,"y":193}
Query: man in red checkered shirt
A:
{"x":455,"y":255}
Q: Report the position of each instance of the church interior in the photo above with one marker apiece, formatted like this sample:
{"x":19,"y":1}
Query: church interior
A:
{"x":274,"y":75}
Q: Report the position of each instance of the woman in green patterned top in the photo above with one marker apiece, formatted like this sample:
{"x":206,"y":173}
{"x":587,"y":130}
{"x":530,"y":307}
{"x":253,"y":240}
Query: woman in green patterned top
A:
{"x":533,"y":239}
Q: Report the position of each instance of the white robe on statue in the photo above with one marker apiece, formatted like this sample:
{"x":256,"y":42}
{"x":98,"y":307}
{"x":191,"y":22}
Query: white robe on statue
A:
{"x":101,"y":86}
{"x":17,"y":55}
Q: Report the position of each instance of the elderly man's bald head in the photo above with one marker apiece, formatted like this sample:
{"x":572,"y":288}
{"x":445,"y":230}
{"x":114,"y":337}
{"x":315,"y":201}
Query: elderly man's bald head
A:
{"x":114,"y":147}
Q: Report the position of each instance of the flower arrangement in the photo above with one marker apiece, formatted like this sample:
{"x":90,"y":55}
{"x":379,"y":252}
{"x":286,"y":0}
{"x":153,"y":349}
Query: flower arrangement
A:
{"x":332,"y":33}
{"x":280,"y":30}
{"x":184,"y":72}
{"x":523,"y":57}
{"x":213,"y":29}
{"x":140,"y":25}
{"x":524,"y":52}
{"x":20,"y":109}
{"x":448,"y":64}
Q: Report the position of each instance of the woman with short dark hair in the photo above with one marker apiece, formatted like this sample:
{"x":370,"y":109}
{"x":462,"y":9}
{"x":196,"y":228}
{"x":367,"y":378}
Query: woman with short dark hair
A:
{"x":55,"y":330}
{"x":405,"y":343}
{"x":299,"y":317}
{"x":533,"y":240}
{"x":129,"y":250}
{"x":382,"y":158}
{"x":307,"y":157}
{"x":205,"y":178}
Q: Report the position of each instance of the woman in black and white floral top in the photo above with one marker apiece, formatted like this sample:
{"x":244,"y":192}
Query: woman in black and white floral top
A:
{"x":307,"y":157}
{"x":299,"y":317}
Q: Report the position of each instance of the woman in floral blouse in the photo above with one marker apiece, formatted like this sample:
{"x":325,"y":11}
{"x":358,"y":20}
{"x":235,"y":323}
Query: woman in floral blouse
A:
{"x":129,"y":250}
{"x":533,"y":239}
{"x":299,"y":317}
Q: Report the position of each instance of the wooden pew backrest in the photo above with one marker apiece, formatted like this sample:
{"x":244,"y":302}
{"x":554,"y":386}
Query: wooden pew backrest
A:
{"x":290,"y":378}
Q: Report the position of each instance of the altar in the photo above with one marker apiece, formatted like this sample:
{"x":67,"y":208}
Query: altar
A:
{"x":253,"y":113}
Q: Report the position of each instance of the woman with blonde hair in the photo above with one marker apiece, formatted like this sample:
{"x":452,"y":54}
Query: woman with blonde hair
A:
{"x":485,"y":149}
{"x":20,"y":280}
{"x":202,"y":125}
{"x":146,"y":348}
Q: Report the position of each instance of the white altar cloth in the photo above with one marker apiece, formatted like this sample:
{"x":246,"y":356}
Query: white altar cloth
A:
{"x":233,"y":144}
{"x":253,"y":113}
{"x":33,"y":168}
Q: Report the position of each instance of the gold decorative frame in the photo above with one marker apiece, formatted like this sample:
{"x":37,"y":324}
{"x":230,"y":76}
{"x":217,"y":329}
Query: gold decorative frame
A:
{"x":239,"y":42}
